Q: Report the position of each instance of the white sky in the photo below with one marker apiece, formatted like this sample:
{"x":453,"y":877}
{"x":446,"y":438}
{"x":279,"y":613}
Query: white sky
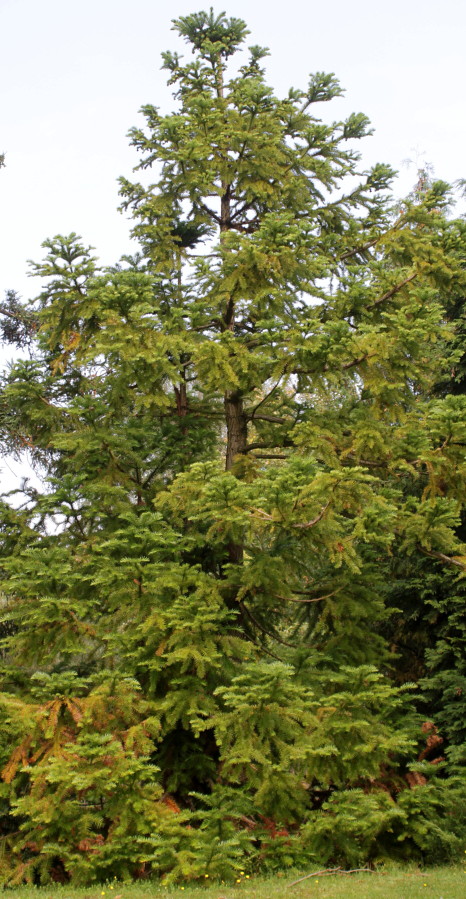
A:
{"x":74,"y":75}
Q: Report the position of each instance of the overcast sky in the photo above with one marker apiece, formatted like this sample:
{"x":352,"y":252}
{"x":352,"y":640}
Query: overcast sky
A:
{"x":74,"y":75}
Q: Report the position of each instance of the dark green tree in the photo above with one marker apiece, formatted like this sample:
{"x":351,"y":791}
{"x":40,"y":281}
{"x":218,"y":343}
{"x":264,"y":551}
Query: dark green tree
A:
{"x":427,"y":591}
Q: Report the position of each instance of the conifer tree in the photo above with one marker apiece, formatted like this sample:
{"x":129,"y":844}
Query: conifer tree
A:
{"x":227,"y":423}
{"x":427,"y":627}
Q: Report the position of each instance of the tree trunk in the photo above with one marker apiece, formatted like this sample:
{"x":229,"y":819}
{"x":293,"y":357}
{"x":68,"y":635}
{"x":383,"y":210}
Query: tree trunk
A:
{"x":237,"y":436}
{"x":237,"y":427}
{"x":181,"y":399}
{"x":235,"y":418}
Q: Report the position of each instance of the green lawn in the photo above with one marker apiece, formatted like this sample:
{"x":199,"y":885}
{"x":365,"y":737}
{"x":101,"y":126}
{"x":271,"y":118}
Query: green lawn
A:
{"x":393,"y":883}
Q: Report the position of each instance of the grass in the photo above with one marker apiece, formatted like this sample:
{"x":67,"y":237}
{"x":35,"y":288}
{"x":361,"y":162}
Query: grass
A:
{"x":392,"y":883}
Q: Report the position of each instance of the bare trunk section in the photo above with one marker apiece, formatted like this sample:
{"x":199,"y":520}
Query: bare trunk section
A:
{"x":237,"y":438}
{"x":236,"y":421}
{"x":237,"y":427}
{"x":181,"y":399}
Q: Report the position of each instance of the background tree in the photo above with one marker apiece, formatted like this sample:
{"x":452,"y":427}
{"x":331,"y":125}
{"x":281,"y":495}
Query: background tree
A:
{"x":426,"y":628}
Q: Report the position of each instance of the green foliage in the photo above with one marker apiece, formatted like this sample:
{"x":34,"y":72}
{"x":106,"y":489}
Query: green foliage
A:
{"x":432,"y":826}
{"x":95,"y":808}
{"x":356,"y":826}
{"x":86,"y":799}
{"x":347,"y":829}
{"x":239,"y":439}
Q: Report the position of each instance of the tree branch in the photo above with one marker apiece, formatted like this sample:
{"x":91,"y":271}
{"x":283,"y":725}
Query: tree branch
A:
{"x":310,"y":524}
{"x":269,"y":456}
{"x":263,"y":400}
{"x":315,"y":874}
{"x":392,"y":292}
{"x":450,"y":560}
{"x":274,"y":419}
{"x":344,"y":367}
{"x":314,"y":599}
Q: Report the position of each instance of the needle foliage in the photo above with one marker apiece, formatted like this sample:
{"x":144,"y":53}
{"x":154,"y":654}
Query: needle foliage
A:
{"x":238,"y":440}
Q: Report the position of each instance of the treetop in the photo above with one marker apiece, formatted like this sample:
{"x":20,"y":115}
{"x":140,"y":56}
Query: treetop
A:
{"x":211,"y":34}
